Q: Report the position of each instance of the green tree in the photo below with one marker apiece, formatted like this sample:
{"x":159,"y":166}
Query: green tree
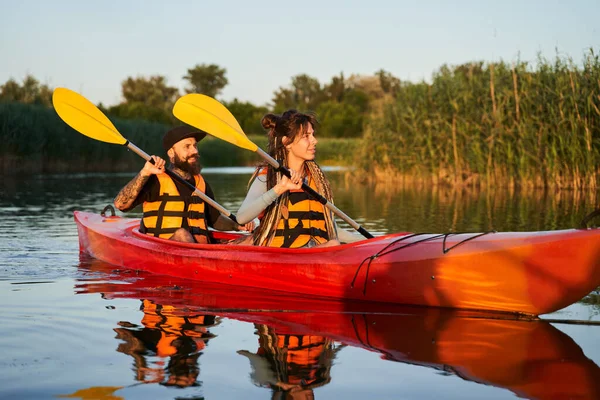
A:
{"x":30,"y":89}
{"x":45,"y":95}
{"x":30,"y":92}
{"x":388,"y":82}
{"x":336,"y":89}
{"x":11,"y":92}
{"x":340,"y":120}
{"x":152,"y":92}
{"x":358,"y":99}
{"x":149,"y":99}
{"x":305,"y":93}
{"x":283,"y":99}
{"x":341,"y":105}
{"x":248,"y":115}
{"x":344,"y":113}
{"x":206,"y":79}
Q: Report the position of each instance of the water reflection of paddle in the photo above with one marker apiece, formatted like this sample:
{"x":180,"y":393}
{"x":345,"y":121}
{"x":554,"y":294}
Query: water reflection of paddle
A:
{"x":532,"y":359}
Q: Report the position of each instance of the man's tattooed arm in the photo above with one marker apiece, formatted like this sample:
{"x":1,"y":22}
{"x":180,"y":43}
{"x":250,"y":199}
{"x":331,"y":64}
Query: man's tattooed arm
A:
{"x":130,"y":192}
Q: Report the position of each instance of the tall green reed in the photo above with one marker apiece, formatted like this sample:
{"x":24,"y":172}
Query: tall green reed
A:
{"x":495,"y":123}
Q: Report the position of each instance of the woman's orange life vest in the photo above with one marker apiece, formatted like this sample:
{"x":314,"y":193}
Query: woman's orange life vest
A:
{"x":304,"y":361}
{"x":161,"y":218}
{"x":305,"y":220}
{"x":172,"y":326}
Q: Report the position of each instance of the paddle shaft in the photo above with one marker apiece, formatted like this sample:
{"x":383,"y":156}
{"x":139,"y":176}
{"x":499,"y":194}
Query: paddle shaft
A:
{"x":178,"y":178}
{"x":313,"y":193}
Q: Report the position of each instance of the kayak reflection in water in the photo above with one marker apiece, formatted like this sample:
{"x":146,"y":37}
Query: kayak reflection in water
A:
{"x":166,"y":334}
{"x":291,"y":365}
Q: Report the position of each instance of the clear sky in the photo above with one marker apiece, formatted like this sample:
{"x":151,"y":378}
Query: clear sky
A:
{"x":91,"y":46}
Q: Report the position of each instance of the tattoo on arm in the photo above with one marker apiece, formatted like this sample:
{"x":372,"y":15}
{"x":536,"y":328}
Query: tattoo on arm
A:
{"x":124,"y":200}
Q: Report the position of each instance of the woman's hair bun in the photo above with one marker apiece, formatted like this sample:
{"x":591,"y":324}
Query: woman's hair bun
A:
{"x":269,"y":121}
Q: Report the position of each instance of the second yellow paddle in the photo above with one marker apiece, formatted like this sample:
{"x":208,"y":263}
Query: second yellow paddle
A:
{"x":207,"y":114}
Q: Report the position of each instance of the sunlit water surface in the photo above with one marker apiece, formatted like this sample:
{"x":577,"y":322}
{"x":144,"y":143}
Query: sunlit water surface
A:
{"x":79,"y":328}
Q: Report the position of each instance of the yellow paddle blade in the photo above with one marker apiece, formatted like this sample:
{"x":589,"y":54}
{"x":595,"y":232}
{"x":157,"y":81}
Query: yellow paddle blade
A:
{"x":83,"y":116}
{"x":205,"y":113}
{"x":214,"y":107}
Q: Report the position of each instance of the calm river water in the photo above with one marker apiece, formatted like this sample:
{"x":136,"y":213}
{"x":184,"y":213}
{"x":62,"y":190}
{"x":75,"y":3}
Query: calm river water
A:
{"x":73,"y":327}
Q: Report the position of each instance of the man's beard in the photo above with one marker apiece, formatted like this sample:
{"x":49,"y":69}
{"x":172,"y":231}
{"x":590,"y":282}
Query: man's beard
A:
{"x":184,"y":165}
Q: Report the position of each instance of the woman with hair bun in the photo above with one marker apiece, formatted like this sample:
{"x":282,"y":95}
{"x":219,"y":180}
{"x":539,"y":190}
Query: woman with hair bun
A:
{"x":288,"y":216}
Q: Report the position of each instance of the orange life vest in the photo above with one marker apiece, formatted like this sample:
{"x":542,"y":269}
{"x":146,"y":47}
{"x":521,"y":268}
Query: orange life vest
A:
{"x":305,"y":220}
{"x":171,"y":326}
{"x":164,"y":216}
{"x":304,"y":364}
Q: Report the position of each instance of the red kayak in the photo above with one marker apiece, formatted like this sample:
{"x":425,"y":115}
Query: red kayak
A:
{"x":520,"y":272}
{"x":543,"y":362}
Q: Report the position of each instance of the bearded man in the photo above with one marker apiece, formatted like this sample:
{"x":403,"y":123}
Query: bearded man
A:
{"x":170,"y":210}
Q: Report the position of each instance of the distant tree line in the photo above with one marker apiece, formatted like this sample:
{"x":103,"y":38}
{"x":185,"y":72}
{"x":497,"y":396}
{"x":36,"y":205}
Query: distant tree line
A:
{"x":533,"y":123}
{"x":30,"y":91}
{"x":342,"y":105}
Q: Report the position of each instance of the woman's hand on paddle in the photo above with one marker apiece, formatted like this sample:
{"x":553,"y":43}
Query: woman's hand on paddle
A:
{"x":293,"y":183}
{"x":154,"y":169}
{"x":249,"y":227}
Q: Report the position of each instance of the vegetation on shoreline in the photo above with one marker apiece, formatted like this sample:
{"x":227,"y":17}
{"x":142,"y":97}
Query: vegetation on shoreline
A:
{"x":485,"y":124}
{"x":36,"y":140}
{"x":476,"y":124}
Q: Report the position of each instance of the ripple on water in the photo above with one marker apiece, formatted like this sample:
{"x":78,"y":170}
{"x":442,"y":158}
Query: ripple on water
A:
{"x":42,"y":317}
{"x":55,"y":339}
